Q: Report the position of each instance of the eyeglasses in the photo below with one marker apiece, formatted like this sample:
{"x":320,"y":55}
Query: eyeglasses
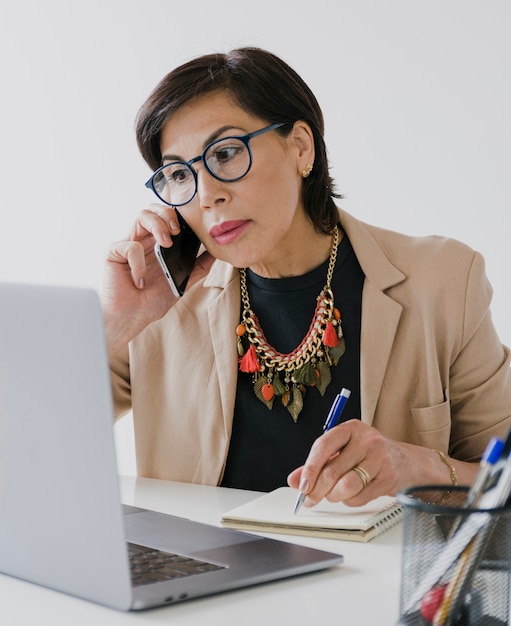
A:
{"x":227,"y":159}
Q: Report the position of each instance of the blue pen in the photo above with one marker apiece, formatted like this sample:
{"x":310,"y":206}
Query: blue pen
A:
{"x":491,"y":455}
{"x":332,"y":420}
{"x":496,"y":468}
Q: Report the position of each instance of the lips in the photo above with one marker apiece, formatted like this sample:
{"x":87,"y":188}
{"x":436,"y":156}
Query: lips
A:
{"x":227,"y":232}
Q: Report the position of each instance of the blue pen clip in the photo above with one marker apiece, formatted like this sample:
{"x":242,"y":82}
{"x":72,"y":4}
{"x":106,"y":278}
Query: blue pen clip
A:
{"x":493,"y":451}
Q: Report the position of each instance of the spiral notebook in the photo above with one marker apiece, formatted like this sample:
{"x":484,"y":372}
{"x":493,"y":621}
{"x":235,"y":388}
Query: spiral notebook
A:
{"x":273,"y":512}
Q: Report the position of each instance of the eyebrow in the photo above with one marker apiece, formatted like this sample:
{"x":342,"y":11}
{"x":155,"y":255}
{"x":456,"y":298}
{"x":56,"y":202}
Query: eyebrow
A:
{"x":209,"y":139}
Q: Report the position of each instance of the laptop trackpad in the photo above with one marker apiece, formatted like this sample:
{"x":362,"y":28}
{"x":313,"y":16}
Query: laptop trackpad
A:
{"x":178,"y":534}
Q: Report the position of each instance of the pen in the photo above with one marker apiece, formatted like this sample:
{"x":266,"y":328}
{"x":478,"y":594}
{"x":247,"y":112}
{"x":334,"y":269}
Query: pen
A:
{"x":497,"y":468}
{"x":490,"y":457}
{"x":332,"y":420}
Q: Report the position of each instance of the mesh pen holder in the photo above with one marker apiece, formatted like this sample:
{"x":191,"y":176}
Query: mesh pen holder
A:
{"x":474,"y":589}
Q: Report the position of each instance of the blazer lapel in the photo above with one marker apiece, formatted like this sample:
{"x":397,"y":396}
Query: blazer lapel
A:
{"x":380,"y":313}
{"x":223,"y":318}
{"x":380,"y":318}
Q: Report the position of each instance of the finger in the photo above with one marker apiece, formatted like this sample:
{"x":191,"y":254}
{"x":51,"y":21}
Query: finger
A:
{"x":319,"y":465}
{"x":352,"y":484}
{"x":158,"y":221}
{"x":376,"y":488}
{"x":369,"y":476}
{"x":293,"y":479}
{"x":131,"y":254}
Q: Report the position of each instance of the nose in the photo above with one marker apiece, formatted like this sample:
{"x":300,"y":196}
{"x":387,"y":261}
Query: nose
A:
{"x":210,"y":190}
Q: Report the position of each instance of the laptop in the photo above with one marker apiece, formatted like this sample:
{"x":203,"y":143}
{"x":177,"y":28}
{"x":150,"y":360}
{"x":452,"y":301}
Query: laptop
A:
{"x":62,"y":524}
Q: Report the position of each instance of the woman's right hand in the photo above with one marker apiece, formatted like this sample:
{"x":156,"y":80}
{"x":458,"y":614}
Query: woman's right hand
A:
{"x":135,"y":290}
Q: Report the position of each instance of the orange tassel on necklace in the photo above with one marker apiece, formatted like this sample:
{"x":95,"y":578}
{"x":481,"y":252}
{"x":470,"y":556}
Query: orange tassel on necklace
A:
{"x":249,"y":362}
{"x":330,"y":338}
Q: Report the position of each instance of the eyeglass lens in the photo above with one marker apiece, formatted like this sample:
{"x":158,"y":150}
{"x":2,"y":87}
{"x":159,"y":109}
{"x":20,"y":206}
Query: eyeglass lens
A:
{"x":227,"y":159}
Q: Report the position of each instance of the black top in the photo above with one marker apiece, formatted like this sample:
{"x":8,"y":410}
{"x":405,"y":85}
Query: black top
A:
{"x":266,"y":445}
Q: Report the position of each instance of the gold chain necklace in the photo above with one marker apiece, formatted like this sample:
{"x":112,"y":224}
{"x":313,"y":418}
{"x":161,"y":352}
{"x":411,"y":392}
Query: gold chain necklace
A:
{"x":287,"y":376}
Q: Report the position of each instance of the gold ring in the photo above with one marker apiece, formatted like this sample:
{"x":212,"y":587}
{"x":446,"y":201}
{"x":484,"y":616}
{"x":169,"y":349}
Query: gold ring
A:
{"x":363,"y":475}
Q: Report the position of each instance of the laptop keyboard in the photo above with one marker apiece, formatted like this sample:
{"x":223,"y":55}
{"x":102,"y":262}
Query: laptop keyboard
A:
{"x":149,"y":565}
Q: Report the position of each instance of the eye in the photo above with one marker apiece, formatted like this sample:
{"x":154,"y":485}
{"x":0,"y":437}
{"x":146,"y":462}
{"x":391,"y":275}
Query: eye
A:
{"x":224,"y":154}
{"x":176,"y":174}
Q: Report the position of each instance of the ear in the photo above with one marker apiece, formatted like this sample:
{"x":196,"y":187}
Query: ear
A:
{"x":303,"y":140}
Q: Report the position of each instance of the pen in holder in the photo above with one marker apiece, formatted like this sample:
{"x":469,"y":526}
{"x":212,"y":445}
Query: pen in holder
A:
{"x":456,"y":561}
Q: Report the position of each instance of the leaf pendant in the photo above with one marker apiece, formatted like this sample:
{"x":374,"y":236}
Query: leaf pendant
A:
{"x":258,"y":390}
{"x":278,"y":386}
{"x":306,"y":374}
{"x":325,"y":377}
{"x":295,"y":406}
{"x":267,"y":392}
{"x":336,"y":353}
{"x":286,"y":398}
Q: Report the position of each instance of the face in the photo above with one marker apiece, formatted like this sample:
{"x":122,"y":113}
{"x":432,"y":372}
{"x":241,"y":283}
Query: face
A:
{"x":259,"y":220}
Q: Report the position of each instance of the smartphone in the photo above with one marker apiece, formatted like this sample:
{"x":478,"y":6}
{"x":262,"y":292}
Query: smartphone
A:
{"x":177,"y":261}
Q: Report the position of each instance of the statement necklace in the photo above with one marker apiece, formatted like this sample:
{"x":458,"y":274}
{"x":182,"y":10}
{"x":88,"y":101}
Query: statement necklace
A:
{"x":287,"y":376}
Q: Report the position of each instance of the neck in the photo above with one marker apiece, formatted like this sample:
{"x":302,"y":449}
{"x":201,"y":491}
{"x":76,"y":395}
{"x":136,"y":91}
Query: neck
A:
{"x":302,"y":255}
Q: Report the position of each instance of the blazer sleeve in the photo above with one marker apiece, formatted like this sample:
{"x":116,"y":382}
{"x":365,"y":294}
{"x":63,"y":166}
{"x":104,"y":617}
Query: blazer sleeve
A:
{"x":480,"y":375}
{"x":121,"y":386}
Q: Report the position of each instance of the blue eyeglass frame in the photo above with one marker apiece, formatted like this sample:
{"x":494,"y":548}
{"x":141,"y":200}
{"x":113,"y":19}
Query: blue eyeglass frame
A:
{"x":243,"y":138}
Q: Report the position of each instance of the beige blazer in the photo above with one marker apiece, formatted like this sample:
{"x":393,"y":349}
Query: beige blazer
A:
{"x":433,"y":371}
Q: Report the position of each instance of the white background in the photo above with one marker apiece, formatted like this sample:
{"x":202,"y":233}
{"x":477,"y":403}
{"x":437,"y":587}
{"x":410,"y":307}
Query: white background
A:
{"x":416,"y":96}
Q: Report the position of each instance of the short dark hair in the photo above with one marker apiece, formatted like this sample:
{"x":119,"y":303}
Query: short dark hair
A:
{"x":263,"y":85}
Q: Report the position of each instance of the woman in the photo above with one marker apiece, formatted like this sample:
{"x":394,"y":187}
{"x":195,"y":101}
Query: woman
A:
{"x":291,"y":300}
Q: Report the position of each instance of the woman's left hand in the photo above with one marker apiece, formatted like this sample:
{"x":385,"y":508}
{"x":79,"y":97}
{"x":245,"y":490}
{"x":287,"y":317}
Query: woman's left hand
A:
{"x":389,"y":465}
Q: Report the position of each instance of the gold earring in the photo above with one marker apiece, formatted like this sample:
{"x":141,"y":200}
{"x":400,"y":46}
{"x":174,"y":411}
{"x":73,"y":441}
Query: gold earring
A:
{"x":307,"y":170}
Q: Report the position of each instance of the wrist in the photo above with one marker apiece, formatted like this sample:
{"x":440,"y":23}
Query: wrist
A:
{"x":119,"y":333}
{"x":450,"y":467}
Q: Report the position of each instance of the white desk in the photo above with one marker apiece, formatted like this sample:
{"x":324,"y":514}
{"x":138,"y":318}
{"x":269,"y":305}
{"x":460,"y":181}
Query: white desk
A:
{"x":364,"y":590}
